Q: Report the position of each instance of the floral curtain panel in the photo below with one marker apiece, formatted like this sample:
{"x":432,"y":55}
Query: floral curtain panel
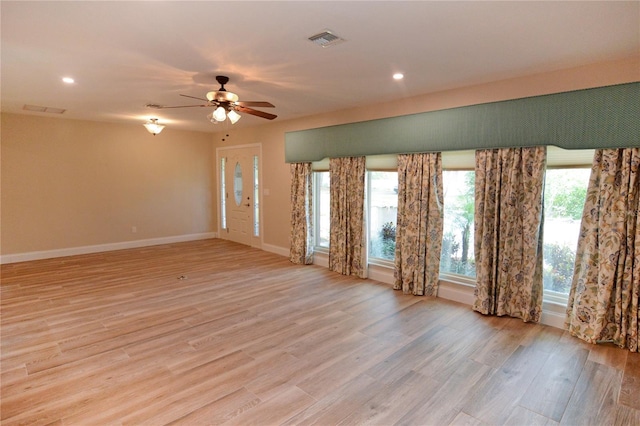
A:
{"x":419,"y":224}
{"x":301,"y":251}
{"x":347,"y":251}
{"x":603,"y":302}
{"x":508,"y":232}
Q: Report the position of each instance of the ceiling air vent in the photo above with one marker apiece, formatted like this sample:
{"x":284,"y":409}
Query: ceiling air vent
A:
{"x":50,"y":110}
{"x":326,"y":39}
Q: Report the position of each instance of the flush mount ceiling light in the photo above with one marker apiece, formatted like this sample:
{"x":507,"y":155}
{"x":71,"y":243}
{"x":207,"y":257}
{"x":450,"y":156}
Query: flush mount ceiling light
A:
{"x":398,"y":76}
{"x":153,"y":127}
{"x":68,"y":80}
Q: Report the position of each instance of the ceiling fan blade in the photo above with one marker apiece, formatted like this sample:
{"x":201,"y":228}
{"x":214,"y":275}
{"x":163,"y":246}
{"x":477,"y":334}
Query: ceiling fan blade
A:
{"x":200,"y":99}
{"x":256,"y":112}
{"x":260,"y":104}
{"x":177,"y":106}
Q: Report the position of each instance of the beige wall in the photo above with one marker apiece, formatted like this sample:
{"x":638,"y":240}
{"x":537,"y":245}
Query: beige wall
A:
{"x":271,"y":135}
{"x":69,"y":183}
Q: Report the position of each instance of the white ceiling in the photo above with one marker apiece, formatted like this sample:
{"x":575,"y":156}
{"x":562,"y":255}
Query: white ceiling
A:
{"x":124,"y":55}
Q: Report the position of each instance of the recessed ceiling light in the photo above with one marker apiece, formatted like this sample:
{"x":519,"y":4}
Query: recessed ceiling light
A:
{"x":68,"y":80}
{"x":398,"y":76}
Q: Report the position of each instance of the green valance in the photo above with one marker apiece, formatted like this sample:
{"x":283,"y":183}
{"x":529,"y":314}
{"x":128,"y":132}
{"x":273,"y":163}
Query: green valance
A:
{"x":603,"y":117}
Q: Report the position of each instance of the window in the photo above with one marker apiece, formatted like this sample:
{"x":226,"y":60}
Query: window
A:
{"x":564,"y":196}
{"x":383,"y":210}
{"x":321,"y":206}
{"x":223,"y":191}
{"x":457,"y":235}
{"x":256,"y":199}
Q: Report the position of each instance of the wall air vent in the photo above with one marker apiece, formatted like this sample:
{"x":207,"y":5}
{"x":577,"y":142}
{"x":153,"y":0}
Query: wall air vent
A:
{"x":326,"y":39}
{"x":50,"y":110}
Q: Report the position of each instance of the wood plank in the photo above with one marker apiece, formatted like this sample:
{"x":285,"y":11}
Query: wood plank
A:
{"x":550,"y":391}
{"x":337,"y":405}
{"x":392,"y":401}
{"x":522,"y":416}
{"x":497,"y":349}
{"x":493,"y":399}
{"x":275,"y":410}
{"x":594,"y":400}
{"x":446,"y":404}
{"x":630,"y":387}
{"x":221,"y":410}
{"x":463,"y":419}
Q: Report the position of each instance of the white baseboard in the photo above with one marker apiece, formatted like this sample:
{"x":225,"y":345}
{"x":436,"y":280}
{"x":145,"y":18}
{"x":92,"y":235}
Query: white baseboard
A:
{"x":553,"y":315}
{"x":276,"y":249}
{"x":457,"y":292}
{"x":321,"y":259}
{"x":72,"y":251}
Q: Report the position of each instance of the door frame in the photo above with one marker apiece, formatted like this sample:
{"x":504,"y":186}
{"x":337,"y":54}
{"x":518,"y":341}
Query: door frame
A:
{"x":258,"y":241}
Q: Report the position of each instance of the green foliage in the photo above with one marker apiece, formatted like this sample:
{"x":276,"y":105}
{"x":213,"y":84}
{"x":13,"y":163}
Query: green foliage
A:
{"x":558,"y":267}
{"x":565,"y":193}
{"x":388,"y":237}
{"x":568,"y":202}
{"x":388,"y":232}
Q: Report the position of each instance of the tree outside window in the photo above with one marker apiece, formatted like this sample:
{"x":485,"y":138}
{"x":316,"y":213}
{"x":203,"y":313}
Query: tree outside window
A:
{"x":459,"y":208}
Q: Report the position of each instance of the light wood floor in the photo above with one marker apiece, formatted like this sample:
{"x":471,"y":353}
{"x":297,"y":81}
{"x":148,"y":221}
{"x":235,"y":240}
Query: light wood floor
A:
{"x":211,"y":332}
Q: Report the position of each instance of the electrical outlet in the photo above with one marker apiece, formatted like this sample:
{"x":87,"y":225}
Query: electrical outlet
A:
{"x":134,"y":229}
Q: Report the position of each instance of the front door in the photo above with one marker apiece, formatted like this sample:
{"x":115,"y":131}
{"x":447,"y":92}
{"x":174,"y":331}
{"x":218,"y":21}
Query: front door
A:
{"x":241,"y":195}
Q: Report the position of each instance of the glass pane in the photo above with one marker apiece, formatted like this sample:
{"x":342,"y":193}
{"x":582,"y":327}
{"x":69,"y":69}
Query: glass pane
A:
{"x":237,"y":184}
{"x":564,"y":196}
{"x":321,"y":201}
{"x":223,"y":192}
{"x":383,"y":211}
{"x":457,"y":238}
{"x":256,"y":199}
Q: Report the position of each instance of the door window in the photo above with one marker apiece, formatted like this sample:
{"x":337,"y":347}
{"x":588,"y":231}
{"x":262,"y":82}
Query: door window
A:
{"x":237,"y":184}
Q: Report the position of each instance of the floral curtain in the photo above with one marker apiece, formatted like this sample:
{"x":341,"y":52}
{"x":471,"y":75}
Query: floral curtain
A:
{"x":419,"y":224}
{"x":301,"y":251}
{"x":347,"y":251}
{"x":603,"y":302}
{"x":508,"y":232}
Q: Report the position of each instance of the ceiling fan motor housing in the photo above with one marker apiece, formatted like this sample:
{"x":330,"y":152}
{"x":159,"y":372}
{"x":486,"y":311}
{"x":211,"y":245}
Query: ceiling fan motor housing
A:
{"x":222,"y":96}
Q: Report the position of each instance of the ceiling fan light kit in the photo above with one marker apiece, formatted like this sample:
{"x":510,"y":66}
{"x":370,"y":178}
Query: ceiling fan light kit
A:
{"x":233,"y":116}
{"x":219,"y":114}
{"x":226,"y":105}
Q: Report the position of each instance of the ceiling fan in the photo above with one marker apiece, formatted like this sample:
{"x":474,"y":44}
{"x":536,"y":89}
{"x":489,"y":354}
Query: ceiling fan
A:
{"x":226,"y":104}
